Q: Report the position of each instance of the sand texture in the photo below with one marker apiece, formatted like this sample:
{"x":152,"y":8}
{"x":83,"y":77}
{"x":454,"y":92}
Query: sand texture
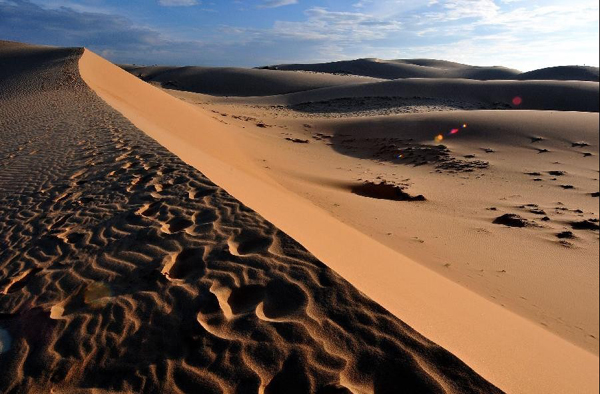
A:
{"x":123,"y":269}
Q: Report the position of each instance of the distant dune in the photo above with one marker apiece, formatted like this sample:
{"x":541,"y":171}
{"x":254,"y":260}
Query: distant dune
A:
{"x":564,"y":73}
{"x":483,"y":87}
{"x":427,"y":68}
{"x":237,"y":81}
{"x":394,"y":69}
{"x":460,"y":94}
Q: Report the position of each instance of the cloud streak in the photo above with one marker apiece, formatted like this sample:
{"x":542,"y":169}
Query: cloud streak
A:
{"x":276,"y":3}
{"x":178,"y":3}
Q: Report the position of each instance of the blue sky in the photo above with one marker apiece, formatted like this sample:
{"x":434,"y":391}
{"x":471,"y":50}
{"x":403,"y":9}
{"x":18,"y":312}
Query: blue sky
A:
{"x":523,"y":34}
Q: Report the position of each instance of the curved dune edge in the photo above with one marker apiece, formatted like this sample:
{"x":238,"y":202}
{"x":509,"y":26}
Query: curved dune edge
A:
{"x":510,"y":351}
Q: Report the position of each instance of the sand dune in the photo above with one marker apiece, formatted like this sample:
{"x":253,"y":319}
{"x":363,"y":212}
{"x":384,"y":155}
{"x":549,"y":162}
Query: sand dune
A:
{"x":394,"y":69}
{"x":427,"y":68}
{"x":566,"y":73}
{"x":254,"y":153}
{"x":126,"y":270}
{"x":449,"y":93}
{"x":321,"y":93}
{"x":238,"y":81}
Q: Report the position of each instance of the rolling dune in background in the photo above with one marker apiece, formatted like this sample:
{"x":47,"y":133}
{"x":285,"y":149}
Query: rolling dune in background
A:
{"x":430,"y":68}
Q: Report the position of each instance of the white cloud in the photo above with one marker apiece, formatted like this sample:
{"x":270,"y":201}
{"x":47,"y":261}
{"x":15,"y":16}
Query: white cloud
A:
{"x":451,"y":10}
{"x":322,"y":24}
{"x":178,"y":3}
{"x":545,"y":19}
{"x":362,"y":3}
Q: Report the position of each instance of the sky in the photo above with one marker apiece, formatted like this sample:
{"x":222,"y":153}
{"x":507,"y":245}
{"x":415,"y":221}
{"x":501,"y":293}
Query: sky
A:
{"x":521,"y":34}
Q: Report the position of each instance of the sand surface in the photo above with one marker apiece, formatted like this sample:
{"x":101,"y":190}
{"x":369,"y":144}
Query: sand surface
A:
{"x":471,"y":292}
{"x":123,"y":269}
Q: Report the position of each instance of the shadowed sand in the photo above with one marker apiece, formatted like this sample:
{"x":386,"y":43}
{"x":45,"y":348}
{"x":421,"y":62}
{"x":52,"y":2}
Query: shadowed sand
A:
{"x":232,"y":81}
{"x":124,"y":269}
{"x":280,"y":162}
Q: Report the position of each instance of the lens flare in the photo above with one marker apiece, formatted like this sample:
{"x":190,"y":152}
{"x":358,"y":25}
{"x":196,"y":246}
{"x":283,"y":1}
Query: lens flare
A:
{"x":453,"y":131}
{"x":5,"y":341}
{"x":439,"y":138}
{"x":517,"y":101}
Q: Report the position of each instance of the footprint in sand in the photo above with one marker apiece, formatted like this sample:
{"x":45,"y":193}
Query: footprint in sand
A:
{"x":187,"y":263}
{"x":249,"y":242}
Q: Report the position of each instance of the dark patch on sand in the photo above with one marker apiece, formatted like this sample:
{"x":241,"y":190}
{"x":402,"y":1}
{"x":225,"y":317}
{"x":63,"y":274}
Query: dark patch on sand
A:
{"x":588,"y":224}
{"x":513,"y":220}
{"x":384,"y":191}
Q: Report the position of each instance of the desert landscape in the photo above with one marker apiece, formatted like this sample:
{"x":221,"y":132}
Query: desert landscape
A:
{"x":361,"y":226}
